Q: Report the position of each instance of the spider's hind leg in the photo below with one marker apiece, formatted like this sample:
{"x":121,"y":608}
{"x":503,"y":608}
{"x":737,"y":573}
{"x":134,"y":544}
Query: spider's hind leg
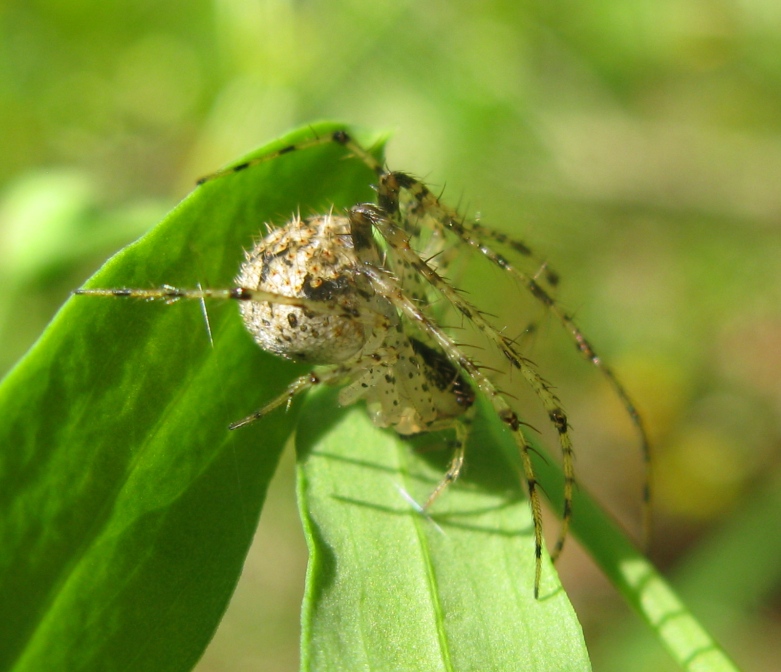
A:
{"x":462,"y":426}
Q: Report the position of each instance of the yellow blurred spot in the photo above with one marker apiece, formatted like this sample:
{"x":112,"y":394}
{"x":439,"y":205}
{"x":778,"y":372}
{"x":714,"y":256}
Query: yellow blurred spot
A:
{"x":659,"y":389}
{"x":699,"y":476}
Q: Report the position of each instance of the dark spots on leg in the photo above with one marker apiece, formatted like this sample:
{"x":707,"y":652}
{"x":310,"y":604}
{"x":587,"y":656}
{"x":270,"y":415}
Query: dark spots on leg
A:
{"x":539,"y":293}
{"x":567,"y":513}
{"x":520,"y":248}
{"x":512,"y":357}
{"x":510,"y":419}
{"x":501,"y":261}
{"x":559,"y":420}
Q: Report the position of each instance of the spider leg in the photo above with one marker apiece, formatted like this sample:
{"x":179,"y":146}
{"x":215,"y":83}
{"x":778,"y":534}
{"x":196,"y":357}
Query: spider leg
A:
{"x":462,"y":426}
{"x":545,"y":271}
{"x":339,"y":137}
{"x":587,"y":351}
{"x":437,"y":214}
{"x":421,"y":204}
{"x":171,"y":294}
{"x":385,"y":285}
{"x":398,"y":239}
{"x":328,"y":376}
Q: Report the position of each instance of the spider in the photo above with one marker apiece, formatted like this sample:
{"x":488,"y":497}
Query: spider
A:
{"x":322,"y":289}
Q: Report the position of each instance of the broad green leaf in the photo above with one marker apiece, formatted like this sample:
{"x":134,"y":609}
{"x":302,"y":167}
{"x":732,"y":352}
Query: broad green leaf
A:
{"x":459,"y":582}
{"x":126,"y":505}
{"x":391,"y":589}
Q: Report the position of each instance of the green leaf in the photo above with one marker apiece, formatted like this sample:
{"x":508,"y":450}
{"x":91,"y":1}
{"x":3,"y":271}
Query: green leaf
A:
{"x":126,"y":505}
{"x":459,"y":584}
{"x":391,"y":589}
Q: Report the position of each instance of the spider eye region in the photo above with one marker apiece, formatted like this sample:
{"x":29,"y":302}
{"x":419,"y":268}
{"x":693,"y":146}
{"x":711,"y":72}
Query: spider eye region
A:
{"x":312,"y":259}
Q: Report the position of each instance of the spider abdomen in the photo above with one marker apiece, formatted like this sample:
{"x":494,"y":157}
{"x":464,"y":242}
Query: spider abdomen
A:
{"x":310,"y":258}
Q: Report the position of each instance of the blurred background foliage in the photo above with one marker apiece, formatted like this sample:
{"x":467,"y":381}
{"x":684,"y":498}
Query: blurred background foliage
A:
{"x":637,"y":146}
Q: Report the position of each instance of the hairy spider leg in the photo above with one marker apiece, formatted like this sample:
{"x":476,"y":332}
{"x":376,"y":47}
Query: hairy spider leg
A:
{"x":171,"y":294}
{"x":385,"y":285}
{"x":393,"y":183}
{"x":399,"y":242}
{"x":338,"y":137}
{"x":365,"y":218}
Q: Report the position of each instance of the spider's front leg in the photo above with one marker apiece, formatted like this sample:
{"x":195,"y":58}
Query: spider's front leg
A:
{"x":171,"y":294}
{"x":339,"y":137}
